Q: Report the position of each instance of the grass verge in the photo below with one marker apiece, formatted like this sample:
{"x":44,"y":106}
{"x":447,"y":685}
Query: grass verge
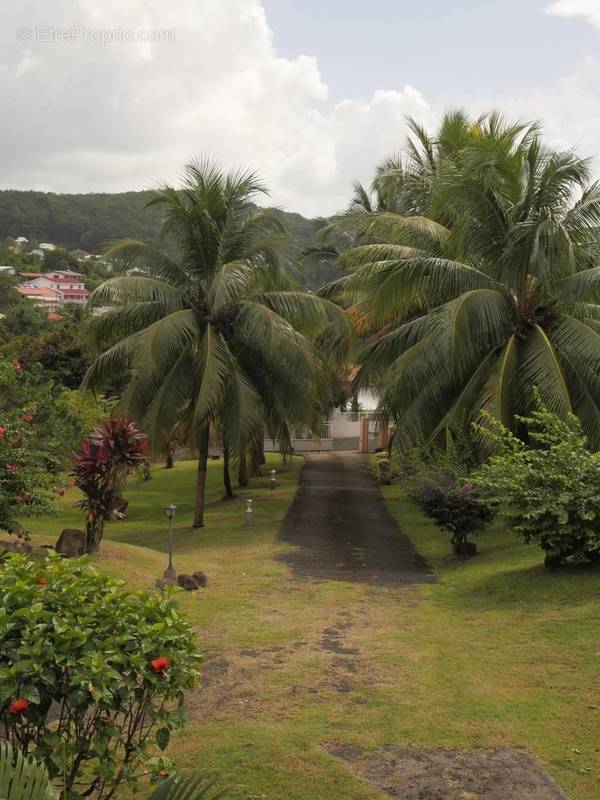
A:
{"x":498,"y":652}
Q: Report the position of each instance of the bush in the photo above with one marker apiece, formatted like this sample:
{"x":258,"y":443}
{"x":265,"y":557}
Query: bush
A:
{"x":454,"y":506}
{"x":28,"y":474}
{"x":547,"y":490}
{"x":90,"y":676}
{"x":111,"y":452}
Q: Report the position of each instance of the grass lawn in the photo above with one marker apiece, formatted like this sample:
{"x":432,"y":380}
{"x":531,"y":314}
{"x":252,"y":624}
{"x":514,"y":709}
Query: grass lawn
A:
{"x":498,"y":652}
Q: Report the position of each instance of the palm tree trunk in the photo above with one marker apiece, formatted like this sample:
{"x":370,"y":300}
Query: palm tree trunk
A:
{"x":169,"y":459}
{"x":243,"y":470}
{"x":227,"y":473}
{"x":255,"y":461}
{"x":201,"y":479}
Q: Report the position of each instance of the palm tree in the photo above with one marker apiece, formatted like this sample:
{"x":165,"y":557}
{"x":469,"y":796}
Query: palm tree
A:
{"x":482,"y":282}
{"x":202,"y":327}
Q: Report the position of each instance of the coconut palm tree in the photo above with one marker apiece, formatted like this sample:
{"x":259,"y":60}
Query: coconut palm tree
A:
{"x":482,"y":284}
{"x":202,"y":327}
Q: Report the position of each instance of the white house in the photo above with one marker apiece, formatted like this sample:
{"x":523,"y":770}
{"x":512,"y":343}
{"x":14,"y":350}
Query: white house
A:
{"x":47,"y":246}
{"x":70,"y":287}
{"x":42,"y":296}
{"x":7,"y":270}
{"x":20,"y":240}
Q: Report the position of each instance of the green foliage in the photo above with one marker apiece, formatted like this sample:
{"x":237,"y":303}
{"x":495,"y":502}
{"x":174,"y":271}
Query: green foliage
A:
{"x":477,"y":279}
{"x":547,"y":490}
{"x":209,"y":329}
{"x":28,"y":468}
{"x":93,"y":221}
{"x":60,"y":350}
{"x":23,"y":778}
{"x":91,"y":677}
{"x":86,"y":221}
{"x":111,"y":452}
{"x":437,"y":485}
{"x":22,"y":317}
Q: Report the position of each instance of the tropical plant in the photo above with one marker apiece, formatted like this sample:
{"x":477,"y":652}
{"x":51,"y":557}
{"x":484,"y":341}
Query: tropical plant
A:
{"x":28,"y":468}
{"x":454,"y":505}
{"x":22,"y":777}
{"x":111,"y":452}
{"x":204,"y":330}
{"x":479,"y":280}
{"x":547,"y":489}
{"x":91,"y":677}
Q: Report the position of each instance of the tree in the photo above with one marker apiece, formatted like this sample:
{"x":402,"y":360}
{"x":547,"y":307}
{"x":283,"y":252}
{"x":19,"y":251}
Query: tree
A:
{"x":91,"y":676}
{"x":111,"y":452}
{"x":28,"y":472}
{"x":546,"y":488}
{"x":203,"y":328}
{"x":481,"y":282}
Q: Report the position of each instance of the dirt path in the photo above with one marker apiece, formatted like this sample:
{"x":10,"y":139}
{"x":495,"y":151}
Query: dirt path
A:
{"x":342,"y":530}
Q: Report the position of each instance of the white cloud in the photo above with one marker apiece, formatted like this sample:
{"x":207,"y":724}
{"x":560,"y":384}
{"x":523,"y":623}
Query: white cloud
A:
{"x":568,"y":109}
{"x":85,"y":116}
{"x":590,"y":9}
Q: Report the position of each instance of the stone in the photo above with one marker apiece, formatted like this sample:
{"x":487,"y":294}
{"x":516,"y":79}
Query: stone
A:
{"x":16,"y":546}
{"x":72,"y":543}
{"x":200,"y":578}
{"x":186,"y":582}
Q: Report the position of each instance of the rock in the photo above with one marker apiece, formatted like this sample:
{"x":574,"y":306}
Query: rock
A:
{"x":187,"y":582}
{"x":72,"y":543}
{"x":16,"y":546}
{"x":200,"y":578}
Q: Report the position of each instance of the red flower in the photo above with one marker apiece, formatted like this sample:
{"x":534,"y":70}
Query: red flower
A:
{"x":11,"y":468}
{"x":72,"y":484}
{"x":61,"y":492}
{"x":18,"y":706}
{"x":27,"y":417}
{"x":16,"y":365}
{"x":160,"y":664}
{"x":2,"y":432}
{"x":42,"y":581}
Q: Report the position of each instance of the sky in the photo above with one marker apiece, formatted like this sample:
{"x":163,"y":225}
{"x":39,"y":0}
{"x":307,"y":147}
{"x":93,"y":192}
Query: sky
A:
{"x":119,"y":94}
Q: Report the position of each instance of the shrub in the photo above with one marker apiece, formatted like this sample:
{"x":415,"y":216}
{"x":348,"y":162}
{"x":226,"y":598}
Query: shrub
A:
{"x":27,"y":779}
{"x":112,"y":451}
{"x":27,"y":470}
{"x":454,"y":506}
{"x":547,"y":490}
{"x":90,"y":676}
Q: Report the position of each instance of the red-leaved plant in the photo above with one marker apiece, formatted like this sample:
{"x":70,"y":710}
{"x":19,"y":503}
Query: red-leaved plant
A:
{"x":101,"y":465}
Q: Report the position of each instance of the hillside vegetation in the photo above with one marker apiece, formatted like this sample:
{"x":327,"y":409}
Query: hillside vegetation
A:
{"x":91,"y":221}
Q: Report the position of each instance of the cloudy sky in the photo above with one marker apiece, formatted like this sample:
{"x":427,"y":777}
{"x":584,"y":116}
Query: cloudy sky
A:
{"x":115,"y":95}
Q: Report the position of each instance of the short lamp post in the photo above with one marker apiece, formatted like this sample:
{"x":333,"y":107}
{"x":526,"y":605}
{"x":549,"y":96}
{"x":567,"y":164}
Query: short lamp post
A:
{"x":248,"y":514}
{"x":273,"y":484}
{"x":170,"y":570}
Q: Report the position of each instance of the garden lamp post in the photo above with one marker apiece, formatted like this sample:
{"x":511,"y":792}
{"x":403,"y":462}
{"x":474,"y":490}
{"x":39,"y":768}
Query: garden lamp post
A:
{"x":248,"y":514}
{"x":273,"y":479}
{"x":170,"y":570}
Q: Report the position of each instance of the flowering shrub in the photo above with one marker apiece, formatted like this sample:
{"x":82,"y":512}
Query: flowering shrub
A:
{"x":27,"y":471}
{"x":454,"y":505}
{"x":102,"y":463}
{"x":548,"y":490}
{"x":90,"y":676}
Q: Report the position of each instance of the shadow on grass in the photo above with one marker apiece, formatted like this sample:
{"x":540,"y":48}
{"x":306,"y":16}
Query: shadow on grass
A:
{"x":531,"y":586}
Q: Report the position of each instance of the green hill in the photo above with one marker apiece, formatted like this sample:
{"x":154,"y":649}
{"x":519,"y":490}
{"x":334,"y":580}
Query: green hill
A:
{"x":91,"y":221}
